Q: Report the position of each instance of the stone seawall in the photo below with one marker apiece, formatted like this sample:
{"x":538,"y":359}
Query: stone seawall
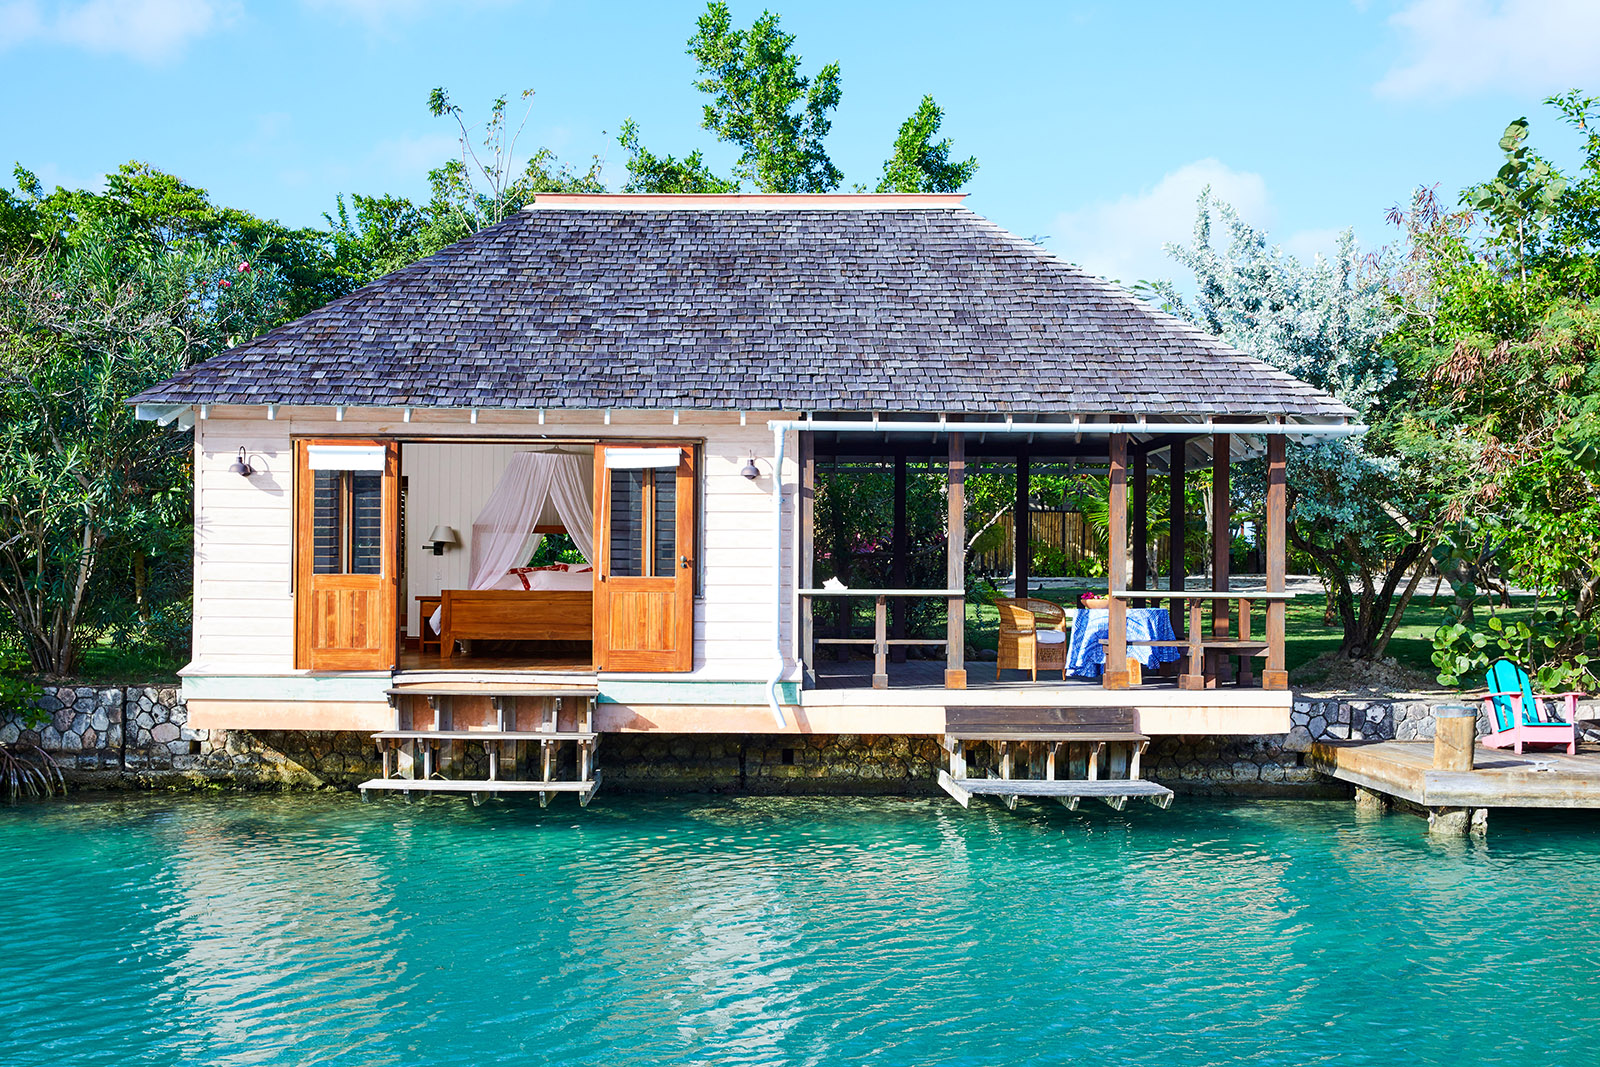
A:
{"x":139,"y":737}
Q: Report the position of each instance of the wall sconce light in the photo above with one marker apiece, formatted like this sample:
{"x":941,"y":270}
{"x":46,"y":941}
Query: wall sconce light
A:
{"x":241,"y":466}
{"x":751,"y":471}
{"x":442,"y":537}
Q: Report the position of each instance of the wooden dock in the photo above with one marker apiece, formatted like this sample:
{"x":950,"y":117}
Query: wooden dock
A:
{"x":1404,"y":770}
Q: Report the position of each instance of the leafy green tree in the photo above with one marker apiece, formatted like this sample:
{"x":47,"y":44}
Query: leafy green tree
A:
{"x":920,"y":164}
{"x":650,"y":173}
{"x":85,"y":323}
{"x":1520,"y":199}
{"x":1361,"y":510}
{"x":162,"y":210}
{"x":778,"y":117}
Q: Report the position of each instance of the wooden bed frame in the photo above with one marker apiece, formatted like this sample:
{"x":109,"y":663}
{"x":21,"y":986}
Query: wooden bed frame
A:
{"x":514,"y":615}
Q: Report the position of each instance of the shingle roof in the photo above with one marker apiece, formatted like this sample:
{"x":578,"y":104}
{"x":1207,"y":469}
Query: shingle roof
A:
{"x":866,"y":308}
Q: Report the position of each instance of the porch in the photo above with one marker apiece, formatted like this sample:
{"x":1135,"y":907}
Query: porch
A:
{"x":1212,"y":635}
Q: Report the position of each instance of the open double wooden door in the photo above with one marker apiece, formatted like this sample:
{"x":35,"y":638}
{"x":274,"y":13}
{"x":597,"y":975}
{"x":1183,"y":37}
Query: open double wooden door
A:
{"x":645,"y":565}
{"x":347,"y":517}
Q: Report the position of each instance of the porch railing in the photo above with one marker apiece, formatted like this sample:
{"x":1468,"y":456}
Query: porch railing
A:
{"x":880,"y":639}
{"x":1231,"y":635}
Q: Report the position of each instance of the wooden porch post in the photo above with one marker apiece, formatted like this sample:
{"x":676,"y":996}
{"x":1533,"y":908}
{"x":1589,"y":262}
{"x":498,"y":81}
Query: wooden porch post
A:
{"x":1221,"y":545}
{"x":955,"y":666}
{"x":1116,"y":675}
{"x":808,"y":553}
{"x":1177,"y":460}
{"x":897,"y":564}
{"x":1141,"y":521}
{"x":1021,"y":523}
{"x":1275,"y":676}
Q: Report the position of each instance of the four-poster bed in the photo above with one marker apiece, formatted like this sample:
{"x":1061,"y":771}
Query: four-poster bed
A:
{"x":510,"y":602}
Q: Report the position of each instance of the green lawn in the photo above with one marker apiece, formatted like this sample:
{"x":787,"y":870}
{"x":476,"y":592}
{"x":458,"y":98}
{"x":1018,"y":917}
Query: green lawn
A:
{"x":106,"y":662}
{"x":1306,"y":636}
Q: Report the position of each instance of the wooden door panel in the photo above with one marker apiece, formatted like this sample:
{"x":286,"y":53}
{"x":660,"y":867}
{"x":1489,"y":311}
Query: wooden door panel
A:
{"x":644,"y":587}
{"x":345,"y":620}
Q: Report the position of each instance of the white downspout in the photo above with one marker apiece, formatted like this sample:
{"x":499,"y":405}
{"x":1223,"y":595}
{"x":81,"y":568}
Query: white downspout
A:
{"x":779,"y":438}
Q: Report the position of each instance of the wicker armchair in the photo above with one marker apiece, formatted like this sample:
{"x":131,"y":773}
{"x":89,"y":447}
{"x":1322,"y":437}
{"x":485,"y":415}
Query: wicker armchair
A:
{"x":1033,"y":635}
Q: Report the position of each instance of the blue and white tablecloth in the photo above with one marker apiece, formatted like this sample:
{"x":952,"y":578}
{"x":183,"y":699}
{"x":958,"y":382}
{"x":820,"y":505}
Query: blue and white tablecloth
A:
{"x":1086,"y":656}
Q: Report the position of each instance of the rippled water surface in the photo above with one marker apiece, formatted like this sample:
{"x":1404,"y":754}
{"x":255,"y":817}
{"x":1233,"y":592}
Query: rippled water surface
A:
{"x":308,"y":930}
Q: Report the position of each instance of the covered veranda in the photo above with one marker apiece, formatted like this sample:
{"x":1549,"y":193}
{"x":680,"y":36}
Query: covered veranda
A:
{"x":1221,"y":629}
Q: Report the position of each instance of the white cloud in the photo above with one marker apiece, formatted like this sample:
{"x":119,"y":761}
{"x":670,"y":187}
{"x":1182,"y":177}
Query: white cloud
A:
{"x":1457,"y":47}
{"x":1122,"y":238}
{"x":379,"y":14}
{"x":147,"y":30}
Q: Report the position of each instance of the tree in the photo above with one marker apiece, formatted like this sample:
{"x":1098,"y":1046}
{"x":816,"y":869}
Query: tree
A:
{"x":374,"y":235}
{"x":650,"y":173}
{"x":778,"y":117}
{"x":1359,"y":509}
{"x":86,"y":322}
{"x":918,"y":163}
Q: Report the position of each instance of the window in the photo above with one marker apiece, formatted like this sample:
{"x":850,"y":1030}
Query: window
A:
{"x":644,"y":523}
{"x":347,"y":522}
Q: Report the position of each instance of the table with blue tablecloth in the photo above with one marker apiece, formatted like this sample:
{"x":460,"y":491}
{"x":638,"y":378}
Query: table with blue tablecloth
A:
{"x":1086,"y":655}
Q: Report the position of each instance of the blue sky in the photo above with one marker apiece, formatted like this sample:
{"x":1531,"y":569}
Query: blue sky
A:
{"x":1095,"y":123}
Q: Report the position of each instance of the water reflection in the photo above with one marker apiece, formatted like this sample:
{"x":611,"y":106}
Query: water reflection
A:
{"x":254,"y":930}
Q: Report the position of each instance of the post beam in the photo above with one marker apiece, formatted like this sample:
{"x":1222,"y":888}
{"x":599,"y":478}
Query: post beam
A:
{"x":1021,"y":523}
{"x":897,"y":559}
{"x":1221,"y":545}
{"x":955,"y":667}
{"x":1116,"y":674}
{"x":1141,"y":521}
{"x":808,"y":553}
{"x":1176,"y":523}
{"x":1276,"y":676}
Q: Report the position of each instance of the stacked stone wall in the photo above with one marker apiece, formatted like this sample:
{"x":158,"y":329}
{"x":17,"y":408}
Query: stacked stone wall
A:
{"x":139,"y":736}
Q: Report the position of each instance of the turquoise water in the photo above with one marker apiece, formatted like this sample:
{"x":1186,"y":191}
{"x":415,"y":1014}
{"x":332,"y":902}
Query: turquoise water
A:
{"x":312,"y":930}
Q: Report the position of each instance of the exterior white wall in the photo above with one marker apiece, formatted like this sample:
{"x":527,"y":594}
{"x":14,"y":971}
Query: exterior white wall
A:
{"x":244,"y":532}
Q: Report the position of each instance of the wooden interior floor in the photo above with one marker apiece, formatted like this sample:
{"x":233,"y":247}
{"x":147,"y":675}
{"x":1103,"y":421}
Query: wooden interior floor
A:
{"x":535,"y":660}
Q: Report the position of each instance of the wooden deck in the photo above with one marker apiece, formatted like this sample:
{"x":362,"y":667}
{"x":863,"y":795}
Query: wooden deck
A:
{"x":981,"y":674}
{"x":1500,"y":779}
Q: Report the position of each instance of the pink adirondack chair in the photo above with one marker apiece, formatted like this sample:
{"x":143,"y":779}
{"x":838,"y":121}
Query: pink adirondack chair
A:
{"x":1517,"y":717}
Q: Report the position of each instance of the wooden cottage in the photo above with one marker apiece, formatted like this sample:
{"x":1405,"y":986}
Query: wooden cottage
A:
{"x":657,"y":378}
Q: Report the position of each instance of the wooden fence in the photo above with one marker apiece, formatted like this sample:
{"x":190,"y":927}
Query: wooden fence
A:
{"x":1066,"y":531}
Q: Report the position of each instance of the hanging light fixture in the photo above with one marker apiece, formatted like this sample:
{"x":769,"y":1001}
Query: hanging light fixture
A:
{"x":241,"y":466}
{"x":751,"y":471}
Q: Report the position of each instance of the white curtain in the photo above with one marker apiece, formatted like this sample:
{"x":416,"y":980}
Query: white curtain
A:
{"x":502,"y":534}
{"x":573,"y":499}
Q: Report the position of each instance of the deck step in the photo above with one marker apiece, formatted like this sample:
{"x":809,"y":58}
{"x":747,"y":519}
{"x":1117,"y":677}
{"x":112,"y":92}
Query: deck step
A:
{"x":1035,"y":787}
{"x":468,"y":690}
{"x":1043,"y":733}
{"x":475,"y":785}
{"x":484,"y":735}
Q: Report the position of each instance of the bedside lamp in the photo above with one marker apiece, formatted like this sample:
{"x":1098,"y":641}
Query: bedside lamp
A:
{"x":442,"y":538}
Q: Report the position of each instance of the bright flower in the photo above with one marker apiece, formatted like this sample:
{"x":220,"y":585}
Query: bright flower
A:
{"x":245,"y":266}
{"x":225,"y":283}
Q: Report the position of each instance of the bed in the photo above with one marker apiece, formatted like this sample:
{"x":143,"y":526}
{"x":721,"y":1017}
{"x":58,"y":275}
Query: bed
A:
{"x":544,"y":605}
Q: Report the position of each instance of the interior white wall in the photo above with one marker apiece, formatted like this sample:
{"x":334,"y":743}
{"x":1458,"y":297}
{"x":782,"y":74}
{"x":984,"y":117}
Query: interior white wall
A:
{"x":447,"y":485}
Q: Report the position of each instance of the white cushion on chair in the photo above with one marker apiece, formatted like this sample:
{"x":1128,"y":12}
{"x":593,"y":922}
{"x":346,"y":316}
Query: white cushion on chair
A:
{"x":1050,"y":637}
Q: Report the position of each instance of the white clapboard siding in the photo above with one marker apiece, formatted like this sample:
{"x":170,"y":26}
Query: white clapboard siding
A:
{"x":244,"y":611}
{"x":274,"y":552}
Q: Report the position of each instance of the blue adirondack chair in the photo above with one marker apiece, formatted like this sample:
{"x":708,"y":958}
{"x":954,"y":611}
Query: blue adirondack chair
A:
{"x":1517,"y":717}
